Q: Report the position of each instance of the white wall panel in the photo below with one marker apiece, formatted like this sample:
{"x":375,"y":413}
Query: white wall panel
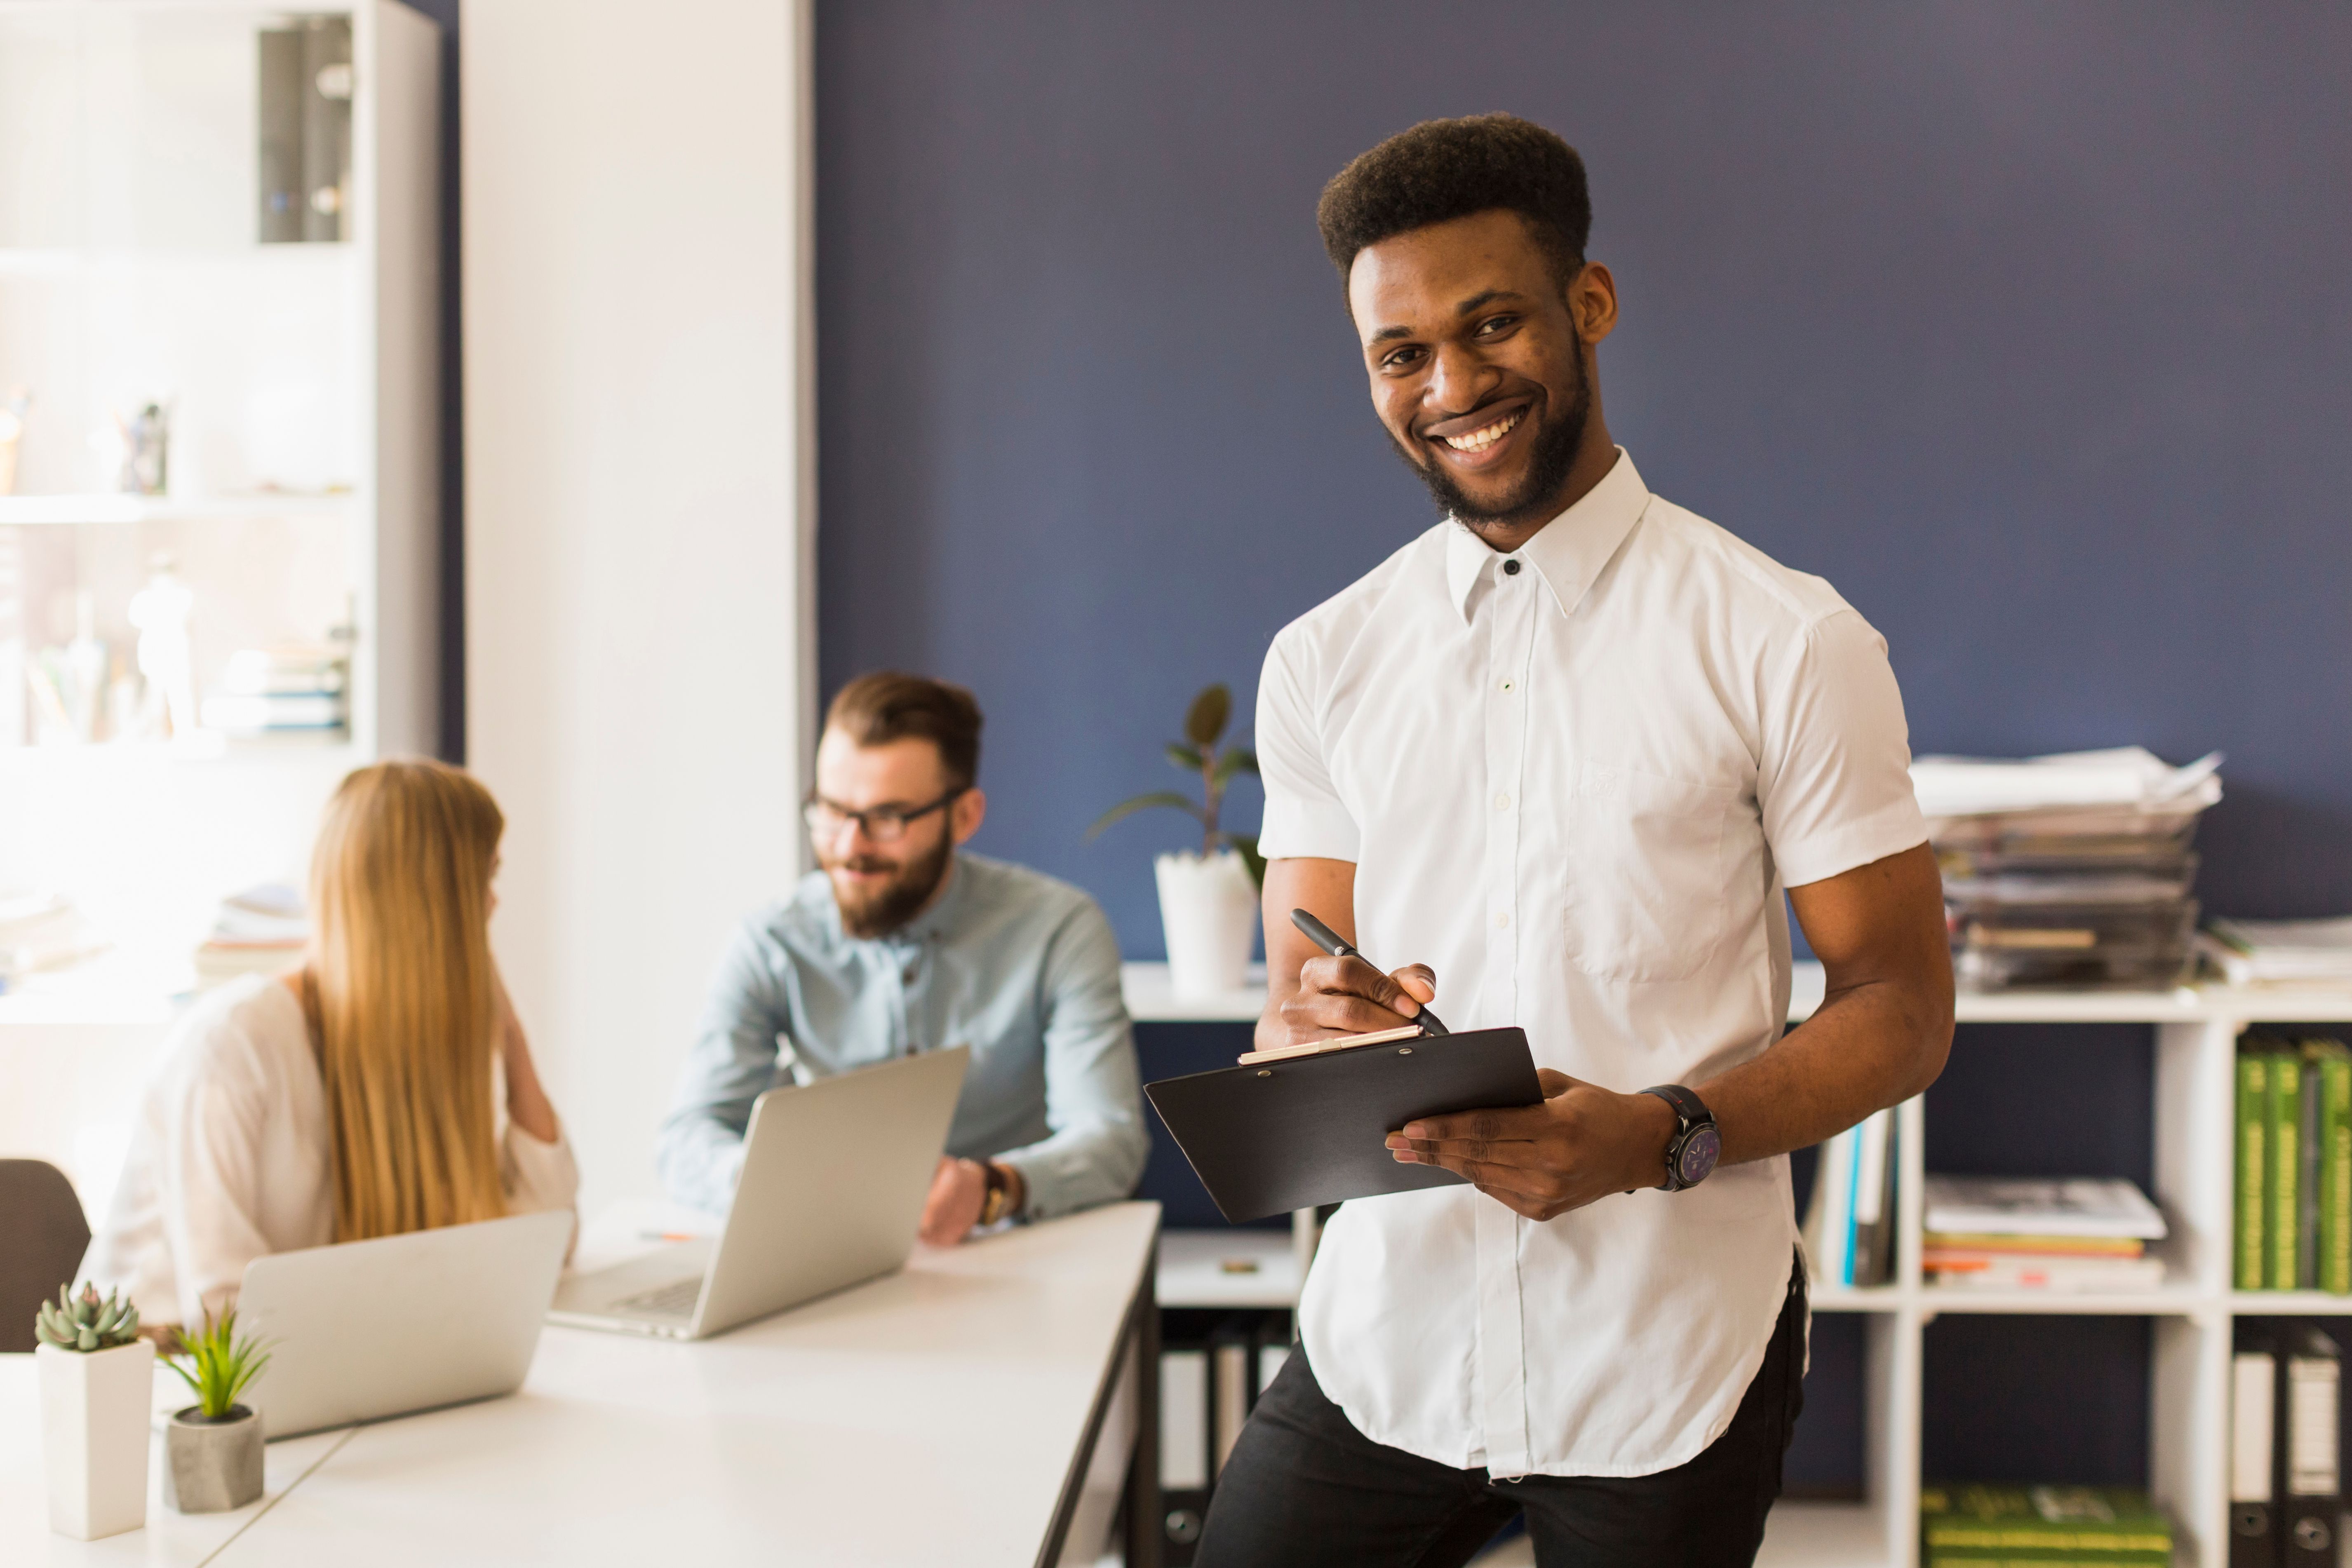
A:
{"x":639,"y":637}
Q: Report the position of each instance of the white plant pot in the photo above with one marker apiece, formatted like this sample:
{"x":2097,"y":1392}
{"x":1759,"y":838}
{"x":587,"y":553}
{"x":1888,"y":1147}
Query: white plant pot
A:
{"x":1208,"y":909}
{"x":94,"y":1436}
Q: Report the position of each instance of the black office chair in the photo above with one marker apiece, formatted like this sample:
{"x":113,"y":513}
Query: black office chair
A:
{"x":42,"y":1238}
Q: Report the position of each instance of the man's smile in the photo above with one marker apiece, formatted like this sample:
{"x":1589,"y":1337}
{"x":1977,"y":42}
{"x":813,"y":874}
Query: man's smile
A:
{"x":1480,"y":438}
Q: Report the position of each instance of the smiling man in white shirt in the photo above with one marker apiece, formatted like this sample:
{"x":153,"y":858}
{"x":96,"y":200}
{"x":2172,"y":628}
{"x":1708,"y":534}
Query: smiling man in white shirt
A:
{"x":1565,"y":751}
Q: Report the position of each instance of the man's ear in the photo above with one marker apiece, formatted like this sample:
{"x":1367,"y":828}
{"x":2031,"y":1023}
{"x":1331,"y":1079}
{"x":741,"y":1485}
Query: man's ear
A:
{"x":970,"y":809}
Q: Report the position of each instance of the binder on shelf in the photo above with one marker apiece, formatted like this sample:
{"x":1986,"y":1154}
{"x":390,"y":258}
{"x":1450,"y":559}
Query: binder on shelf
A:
{"x":2252,"y":1256}
{"x":2308,"y":1463}
{"x":2327,"y":1086}
{"x":2282,"y":1128}
{"x":2253,"y":1536}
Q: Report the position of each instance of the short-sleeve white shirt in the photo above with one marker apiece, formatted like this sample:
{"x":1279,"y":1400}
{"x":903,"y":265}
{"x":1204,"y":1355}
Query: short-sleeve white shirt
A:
{"x":1577,"y":790}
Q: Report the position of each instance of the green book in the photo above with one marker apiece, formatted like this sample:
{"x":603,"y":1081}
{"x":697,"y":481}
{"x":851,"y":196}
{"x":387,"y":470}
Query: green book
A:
{"x":1978,"y":1525}
{"x":2284,"y":1131}
{"x":2330,"y":1082}
{"x":2253,"y":1162}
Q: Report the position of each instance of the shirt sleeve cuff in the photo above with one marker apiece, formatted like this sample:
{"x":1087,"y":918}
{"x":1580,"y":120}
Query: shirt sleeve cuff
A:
{"x":1892,"y":829}
{"x":1296,"y":830}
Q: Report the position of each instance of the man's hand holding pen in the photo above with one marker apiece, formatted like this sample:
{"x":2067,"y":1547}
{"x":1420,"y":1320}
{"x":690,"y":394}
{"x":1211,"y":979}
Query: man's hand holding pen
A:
{"x":1340,"y":996}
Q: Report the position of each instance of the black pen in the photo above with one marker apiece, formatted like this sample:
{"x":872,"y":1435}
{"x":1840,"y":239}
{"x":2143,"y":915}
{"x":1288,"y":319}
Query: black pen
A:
{"x":1331,"y":942}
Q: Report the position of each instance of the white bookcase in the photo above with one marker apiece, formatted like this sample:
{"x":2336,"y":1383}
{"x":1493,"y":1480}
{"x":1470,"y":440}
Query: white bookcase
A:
{"x":302,"y":496}
{"x":2192,"y":1312}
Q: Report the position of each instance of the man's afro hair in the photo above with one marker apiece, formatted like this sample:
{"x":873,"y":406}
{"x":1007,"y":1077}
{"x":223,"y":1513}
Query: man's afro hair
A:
{"x":1447,"y":169}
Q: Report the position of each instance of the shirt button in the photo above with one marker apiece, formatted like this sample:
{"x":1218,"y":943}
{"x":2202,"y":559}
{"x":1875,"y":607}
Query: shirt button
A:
{"x":1502,"y":802}
{"x":1501,"y":920}
{"x":1511,"y":569}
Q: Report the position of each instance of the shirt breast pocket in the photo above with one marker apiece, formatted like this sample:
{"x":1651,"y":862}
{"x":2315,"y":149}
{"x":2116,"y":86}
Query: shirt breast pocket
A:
{"x":1645,"y":897}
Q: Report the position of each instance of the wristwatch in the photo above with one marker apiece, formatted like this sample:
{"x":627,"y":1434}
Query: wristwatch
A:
{"x":1698,"y":1142}
{"x":1000,"y":1192}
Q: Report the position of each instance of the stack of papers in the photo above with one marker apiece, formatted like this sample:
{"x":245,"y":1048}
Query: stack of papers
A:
{"x":2070,"y":870}
{"x":2251,"y":952}
{"x":2077,"y":1235}
{"x":43,"y":931}
{"x":257,"y":932}
{"x":2123,"y":780}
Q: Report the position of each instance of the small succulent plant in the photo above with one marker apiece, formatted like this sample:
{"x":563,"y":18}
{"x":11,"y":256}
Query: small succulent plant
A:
{"x":217,"y":1365}
{"x":84,"y":1323}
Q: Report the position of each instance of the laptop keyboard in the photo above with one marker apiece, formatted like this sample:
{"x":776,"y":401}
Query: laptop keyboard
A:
{"x":672,"y":1301}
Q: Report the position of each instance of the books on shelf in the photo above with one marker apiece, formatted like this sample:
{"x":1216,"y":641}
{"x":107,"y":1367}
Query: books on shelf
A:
{"x":2292,"y":1159}
{"x":43,"y":930}
{"x":1980,"y":1526}
{"x":2072,"y":870}
{"x":2086,"y":1235}
{"x":2282,"y":952}
{"x":294,"y":690}
{"x":1849,"y":1229}
{"x":259,"y":931}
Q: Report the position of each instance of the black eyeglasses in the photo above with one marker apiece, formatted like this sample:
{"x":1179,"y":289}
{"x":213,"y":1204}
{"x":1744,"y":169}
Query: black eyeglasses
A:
{"x":882,"y":824}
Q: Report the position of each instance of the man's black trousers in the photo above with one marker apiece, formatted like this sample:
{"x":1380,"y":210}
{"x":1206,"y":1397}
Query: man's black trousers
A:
{"x":1303,"y":1486}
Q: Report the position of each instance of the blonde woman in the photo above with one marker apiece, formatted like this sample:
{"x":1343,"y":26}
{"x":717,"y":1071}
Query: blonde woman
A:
{"x":383,"y":1087}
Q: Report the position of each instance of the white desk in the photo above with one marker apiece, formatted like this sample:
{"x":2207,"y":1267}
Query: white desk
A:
{"x":171,"y":1540}
{"x":964,"y":1410}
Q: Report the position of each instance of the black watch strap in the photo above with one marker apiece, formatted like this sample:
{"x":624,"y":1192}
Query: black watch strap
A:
{"x":1687,"y":1106}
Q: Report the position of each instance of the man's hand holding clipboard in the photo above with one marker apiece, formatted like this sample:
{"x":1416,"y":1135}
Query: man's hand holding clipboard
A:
{"x":1541,"y":1160}
{"x":1295,"y":1122}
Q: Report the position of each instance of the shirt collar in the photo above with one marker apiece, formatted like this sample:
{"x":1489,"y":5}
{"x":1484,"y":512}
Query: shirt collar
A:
{"x":1567,"y":553}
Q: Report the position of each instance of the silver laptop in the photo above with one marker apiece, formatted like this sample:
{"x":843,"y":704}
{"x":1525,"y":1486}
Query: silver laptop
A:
{"x":368,"y":1329}
{"x":834,"y":1175}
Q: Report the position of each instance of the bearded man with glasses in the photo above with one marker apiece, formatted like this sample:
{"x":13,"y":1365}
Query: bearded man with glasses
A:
{"x":902,"y":942}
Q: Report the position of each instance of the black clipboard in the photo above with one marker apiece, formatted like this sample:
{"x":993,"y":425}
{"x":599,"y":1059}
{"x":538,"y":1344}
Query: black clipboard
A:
{"x":1269,"y":1137}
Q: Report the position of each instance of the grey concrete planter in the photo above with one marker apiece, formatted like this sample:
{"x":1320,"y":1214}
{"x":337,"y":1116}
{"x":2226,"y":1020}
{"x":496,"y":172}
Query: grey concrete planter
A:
{"x":211,"y":1466}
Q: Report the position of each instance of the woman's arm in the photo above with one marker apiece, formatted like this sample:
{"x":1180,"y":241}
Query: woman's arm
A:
{"x":528,"y":1106}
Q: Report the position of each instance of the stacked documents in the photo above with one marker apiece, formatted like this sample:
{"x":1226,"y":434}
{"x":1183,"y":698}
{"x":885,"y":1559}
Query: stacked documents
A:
{"x":2067,"y":870}
{"x":2002,"y":1233}
{"x":259,"y":931}
{"x":2306,"y":952}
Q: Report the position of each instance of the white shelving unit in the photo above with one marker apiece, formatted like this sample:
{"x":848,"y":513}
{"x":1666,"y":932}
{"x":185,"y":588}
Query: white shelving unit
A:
{"x":2192,"y":1313}
{"x":303,"y":496}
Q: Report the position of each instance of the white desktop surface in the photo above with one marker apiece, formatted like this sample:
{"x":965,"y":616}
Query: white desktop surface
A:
{"x":927,"y":1417}
{"x":170,"y":1540}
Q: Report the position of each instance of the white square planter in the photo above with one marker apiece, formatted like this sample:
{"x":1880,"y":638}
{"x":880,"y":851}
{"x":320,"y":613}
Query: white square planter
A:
{"x":94,"y":1436}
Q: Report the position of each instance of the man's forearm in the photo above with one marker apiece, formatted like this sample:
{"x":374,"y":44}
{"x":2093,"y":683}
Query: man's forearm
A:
{"x":1868,"y":1047}
{"x":700,"y":1157}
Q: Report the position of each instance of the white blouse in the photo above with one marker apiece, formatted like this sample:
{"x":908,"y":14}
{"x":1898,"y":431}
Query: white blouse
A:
{"x":231,"y":1158}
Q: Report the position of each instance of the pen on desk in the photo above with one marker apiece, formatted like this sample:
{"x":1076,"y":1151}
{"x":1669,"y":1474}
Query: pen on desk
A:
{"x":1331,"y":942}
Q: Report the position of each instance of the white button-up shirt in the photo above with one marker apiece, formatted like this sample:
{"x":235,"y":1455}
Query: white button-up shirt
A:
{"x":1575,"y":790}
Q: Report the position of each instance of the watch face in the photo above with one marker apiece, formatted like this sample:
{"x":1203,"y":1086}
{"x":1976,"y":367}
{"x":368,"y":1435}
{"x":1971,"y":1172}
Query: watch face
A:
{"x":1698,"y":1154}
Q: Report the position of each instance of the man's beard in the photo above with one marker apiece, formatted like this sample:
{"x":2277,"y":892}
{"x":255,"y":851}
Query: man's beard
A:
{"x":886,"y":908}
{"x":1557,"y":440}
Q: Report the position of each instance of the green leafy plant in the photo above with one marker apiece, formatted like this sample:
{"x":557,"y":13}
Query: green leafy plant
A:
{"x":218,"y":1366}
{"x":1198,"y":752}
{"x":84,"y":1323}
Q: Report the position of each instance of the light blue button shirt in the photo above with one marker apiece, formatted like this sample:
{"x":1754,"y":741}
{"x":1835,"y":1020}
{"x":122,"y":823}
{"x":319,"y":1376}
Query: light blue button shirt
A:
{"x":1021,"y":968}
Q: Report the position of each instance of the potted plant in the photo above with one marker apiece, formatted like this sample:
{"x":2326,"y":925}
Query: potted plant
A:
{"x":1208,"y":900}
{"x":97,"y":1384}
{"x":212,"y":1450}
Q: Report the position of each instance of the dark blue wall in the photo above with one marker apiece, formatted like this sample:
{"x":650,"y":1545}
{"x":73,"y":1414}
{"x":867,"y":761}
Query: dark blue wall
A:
{"x":2028,"y":325}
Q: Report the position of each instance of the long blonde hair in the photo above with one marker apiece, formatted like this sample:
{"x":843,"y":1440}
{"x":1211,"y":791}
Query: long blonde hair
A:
{"x":403,"y":997}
